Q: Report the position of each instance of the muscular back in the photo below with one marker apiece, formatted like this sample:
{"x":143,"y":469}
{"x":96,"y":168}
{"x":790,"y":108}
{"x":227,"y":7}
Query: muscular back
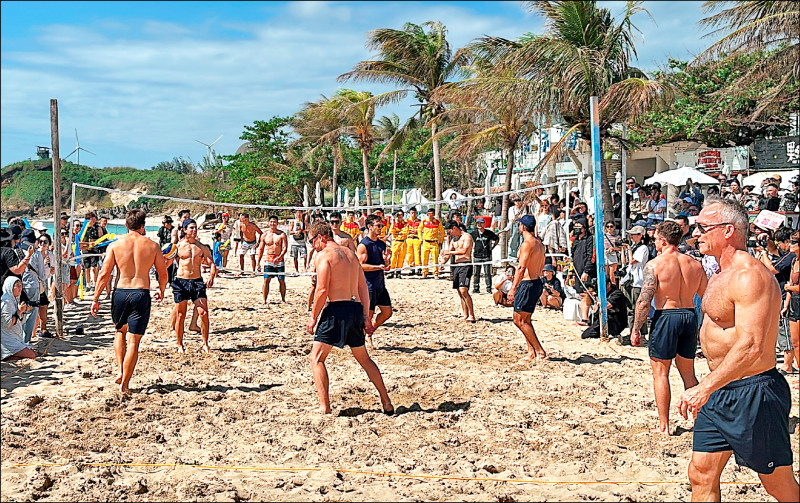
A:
{"x":342,"y":238}
{"x":531,"y":257}
{"x":679,"y":277}
{"x":133,"y":255}
{"x":343,"y":263}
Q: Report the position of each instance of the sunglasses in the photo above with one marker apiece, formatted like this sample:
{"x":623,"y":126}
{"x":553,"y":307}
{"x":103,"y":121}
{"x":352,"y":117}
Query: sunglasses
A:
{"x":704,"y":229}
{"x":610,"y":226}
{"x":335,"y":222}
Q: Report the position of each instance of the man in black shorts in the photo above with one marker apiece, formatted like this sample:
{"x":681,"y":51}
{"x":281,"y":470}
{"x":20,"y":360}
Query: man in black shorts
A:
{"x":375,"y":258}
{"x":742,"y":406}
{"x":133,"y":254}
{"x":527,"y":287}
{"x":460,"y":248}
{"x":345,"y":317}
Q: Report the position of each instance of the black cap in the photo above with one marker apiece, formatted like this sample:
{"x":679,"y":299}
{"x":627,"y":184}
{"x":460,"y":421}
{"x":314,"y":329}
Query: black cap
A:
{"x":16,"y":231}
{"x":29,"y":235}
{"x":549,"y":267}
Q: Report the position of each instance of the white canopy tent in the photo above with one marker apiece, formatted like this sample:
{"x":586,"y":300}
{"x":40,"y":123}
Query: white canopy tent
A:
{"x":415,"y":198}
{"x":679,"y":177}
{"x":756,"y":178}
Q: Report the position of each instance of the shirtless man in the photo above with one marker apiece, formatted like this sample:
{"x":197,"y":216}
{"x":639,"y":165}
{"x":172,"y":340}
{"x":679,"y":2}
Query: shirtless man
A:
{"x":275,"y":243}
{"x":673,"y":279}
{"x":460,"y":249}
{"x":345,"y":317}
{"x":188,"y":284}
{"x":742,"y":406}
{"x":341,"y":238}
{"x":527,"y":286}
{"x":375,"y":258}
{"x":133,"y":255}
{"x":249,"y":242}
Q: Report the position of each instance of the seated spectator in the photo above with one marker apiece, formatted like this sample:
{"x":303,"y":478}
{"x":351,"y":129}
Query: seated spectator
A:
{"x":770,"y":200}
{"x":502,"y":285}
{"x":552,"y":293}
{"x":617,"y":307}
{"x":13,"y":314}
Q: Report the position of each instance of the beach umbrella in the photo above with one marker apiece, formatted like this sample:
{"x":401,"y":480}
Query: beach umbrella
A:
{"x":318,"y":195}
{"x":404,"y":200}
{"x":346,"y":198}
{"x":678,"y":177}
{"x":305,"y":195}
{"x":356,"y":199}
{"x":381,"y":197}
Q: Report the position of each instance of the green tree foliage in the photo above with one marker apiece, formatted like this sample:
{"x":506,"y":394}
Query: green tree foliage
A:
{"x":177,"y":165}
{"x":705,"y":111}
{"x":261,"y":175}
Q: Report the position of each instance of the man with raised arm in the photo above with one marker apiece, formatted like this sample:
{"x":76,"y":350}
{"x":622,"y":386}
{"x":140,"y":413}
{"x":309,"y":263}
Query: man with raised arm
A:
{"x":133,"y":255}
{"x":275,"y":243}
{"x":375,"y":258}
{"x":527,"y":286}
{"x":460,"y":249}
{"x":672,"y":279}
{"x":345,"y":318}
{"x":249,"y":240}
{"x":742,"y":406}
{"x":189,"y":285}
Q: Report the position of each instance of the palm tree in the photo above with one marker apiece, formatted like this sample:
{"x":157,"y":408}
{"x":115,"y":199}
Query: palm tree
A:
{"x":419,"y":62}
{"x":317,"y":123}
{"x":584,"y":52}
{"x":758,"y":26}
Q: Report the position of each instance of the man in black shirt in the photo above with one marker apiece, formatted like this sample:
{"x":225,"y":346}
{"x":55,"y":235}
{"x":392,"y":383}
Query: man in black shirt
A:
{"x":485,"y":241}
{"x":617,"y":307}
{"x":770,"y":200}
{"x":582,"y":254}
{"x":687,"y":243}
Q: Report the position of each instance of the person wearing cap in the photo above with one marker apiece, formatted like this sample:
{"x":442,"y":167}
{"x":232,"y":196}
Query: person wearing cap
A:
{"x":672,"y":280}
{"x":165,"y":231}
{"x":582,"y":262}
{"x":553,"y":294}
{"x":527,"y":287}
{"x":431,"y":231}
{"x":12,"y":261}
{"x":39,"y":227}
{"x":399,"y":232}
{"x":636,"y":255}
{"x":414,"y":241}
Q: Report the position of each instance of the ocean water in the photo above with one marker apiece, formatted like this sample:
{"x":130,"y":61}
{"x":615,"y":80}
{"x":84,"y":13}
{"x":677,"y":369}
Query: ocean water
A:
{"x":115,"y":228}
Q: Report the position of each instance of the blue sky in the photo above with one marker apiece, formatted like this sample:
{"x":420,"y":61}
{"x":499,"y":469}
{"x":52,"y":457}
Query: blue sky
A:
{"x":141,"y":81}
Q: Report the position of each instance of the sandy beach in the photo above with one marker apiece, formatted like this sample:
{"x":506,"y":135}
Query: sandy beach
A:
{"x":569,"y":427}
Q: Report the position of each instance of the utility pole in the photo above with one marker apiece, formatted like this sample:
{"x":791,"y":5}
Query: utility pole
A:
{"x":599,"y":244}
{"x":57,"y":214}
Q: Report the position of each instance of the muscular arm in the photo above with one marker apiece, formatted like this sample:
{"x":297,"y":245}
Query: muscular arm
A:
{"x":321,"y":293}
{"x":284,"y":240}
{"x":161,"y":270}
{"x":260,"y":250}
{"x":361,"y":253}
{"x":645,"y":297}
{"x":524,"y":257}
{"x":208,"y":258}
{"x":108,"y":266}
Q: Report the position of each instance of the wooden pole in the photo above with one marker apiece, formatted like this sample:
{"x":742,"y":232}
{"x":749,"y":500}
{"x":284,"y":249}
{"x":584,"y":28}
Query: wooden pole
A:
{"x":599,"y":244}
{"x":56,"y":157}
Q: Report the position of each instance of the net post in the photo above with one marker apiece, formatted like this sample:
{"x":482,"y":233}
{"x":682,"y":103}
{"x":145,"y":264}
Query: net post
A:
{"x":599,"y":245}
{"x":56,"y":158}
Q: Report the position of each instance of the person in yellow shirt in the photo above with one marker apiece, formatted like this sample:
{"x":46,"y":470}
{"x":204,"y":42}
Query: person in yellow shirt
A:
{"x":399,"y":230}
{"x":351,"y":227}
{"x":432,"y":233}
{"x":385,"y":229}
{"x":413,"y":240}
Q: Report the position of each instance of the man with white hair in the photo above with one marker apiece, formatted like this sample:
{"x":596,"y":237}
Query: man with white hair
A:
{"x":742,"y":406}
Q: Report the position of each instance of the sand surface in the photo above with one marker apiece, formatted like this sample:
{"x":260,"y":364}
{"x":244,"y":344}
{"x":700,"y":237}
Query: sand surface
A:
{"x":465,"y":408}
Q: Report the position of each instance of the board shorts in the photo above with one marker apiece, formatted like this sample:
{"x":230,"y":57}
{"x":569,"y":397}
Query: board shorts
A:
{"x":341,"y":323}
{"x":794,"y":307}
{"x":248,"y":247}
{"x":131,"y":306}
{"x":73,"y":274}
{"x":89,"y":262}
{"x":43,"y":300}
{"x":461,"y":276}
{"x":188,"y":289}
{"x":269,"y":267}
{"x":673,"y":332}
{"x":527,"y":295}
{"x":751,"y":418}
{"x":298,"y":250}
{"x":379,"y":297}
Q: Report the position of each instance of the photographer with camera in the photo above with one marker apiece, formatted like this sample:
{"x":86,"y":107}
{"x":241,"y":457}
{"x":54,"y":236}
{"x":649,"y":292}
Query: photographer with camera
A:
{"x":636,"y":254}
{"x":553,"y":294}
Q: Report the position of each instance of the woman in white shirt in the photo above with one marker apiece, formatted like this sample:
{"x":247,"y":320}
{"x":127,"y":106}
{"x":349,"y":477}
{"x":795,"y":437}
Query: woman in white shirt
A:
{"x":502,"y":285}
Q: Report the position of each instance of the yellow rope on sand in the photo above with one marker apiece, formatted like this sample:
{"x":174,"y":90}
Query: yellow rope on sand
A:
{"x":374,"y":474}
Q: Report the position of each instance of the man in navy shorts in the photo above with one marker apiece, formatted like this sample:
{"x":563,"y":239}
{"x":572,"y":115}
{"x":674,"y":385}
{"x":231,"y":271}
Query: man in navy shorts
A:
{"x":527,"y":287}
{"x":340,"y":313}
{"x":133,"y":254}
{"x":742,"y":406}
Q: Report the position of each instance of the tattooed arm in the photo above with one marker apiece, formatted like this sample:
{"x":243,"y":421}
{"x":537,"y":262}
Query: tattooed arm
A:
{"x":643,"y":303}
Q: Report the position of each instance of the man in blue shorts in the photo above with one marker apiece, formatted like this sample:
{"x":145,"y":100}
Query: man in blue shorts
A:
{"x":340,"y":313}
{"x":133,"y":254}
{"x":672,"y":279}
{"x":375,"y":258}
{"x":742,"y":406}
{"x":527,"y":287}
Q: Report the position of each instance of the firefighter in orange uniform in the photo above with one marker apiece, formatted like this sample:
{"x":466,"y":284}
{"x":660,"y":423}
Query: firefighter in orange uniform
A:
{"x":351,"y":227}
{"x":399,"y":230}
{"x":413,"y":241}
{"x":431,"y":231}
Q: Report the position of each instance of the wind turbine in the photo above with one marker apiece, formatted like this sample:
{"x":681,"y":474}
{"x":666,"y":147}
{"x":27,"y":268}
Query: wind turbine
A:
{"x":78,"y":148}
{"x":212,"y":157}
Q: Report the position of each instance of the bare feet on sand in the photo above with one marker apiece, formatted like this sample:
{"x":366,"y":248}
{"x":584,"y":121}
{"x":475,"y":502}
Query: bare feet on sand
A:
{"x":194,"y":328}
{"x":118,"y":380}
{"x":181,"y":349}
{"x":324,"y":410}
{"x":126,"y":391}
{"x":542,"y":356}
{"x":660,"y":431}
{"x":205,"y":349}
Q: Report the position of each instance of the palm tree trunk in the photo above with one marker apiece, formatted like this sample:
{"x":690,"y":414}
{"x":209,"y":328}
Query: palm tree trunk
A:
{"x":504,"y":217}
{"x":367,"y":184}
{"x":437,"y":170}
{"x":334,"y":185}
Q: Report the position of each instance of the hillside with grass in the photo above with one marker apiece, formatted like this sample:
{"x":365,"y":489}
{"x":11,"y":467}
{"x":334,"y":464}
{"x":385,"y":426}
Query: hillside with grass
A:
{"x":27,"y":186}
